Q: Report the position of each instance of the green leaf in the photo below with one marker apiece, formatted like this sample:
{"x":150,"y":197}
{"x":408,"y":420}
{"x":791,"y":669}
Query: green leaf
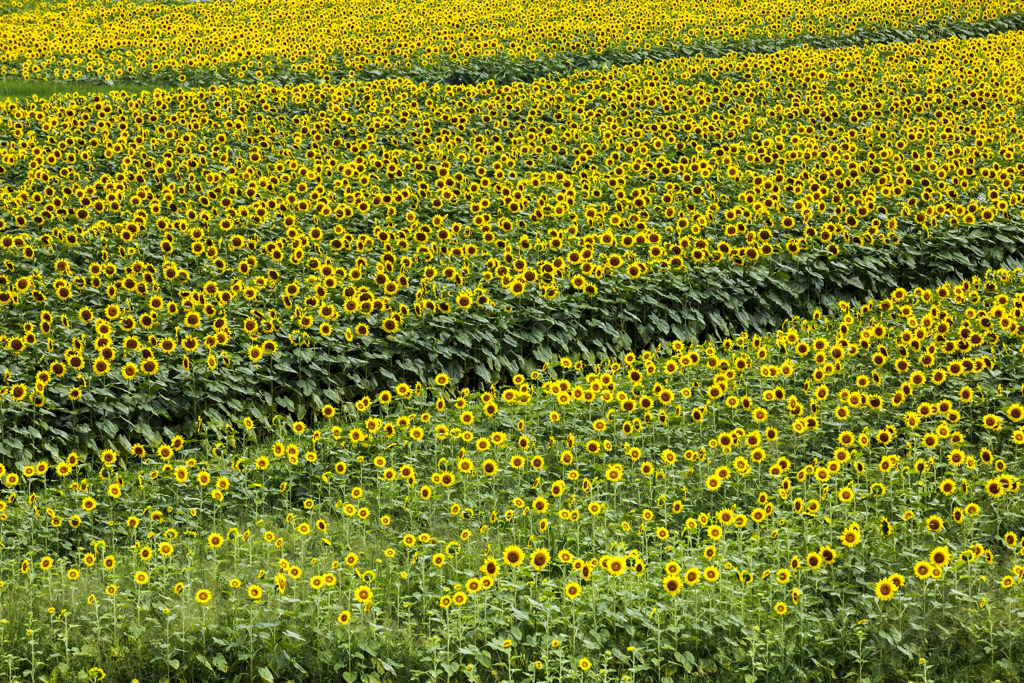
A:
{"x":147,"y":433}
{"x":107,"y":427}
{"x":265,"y":674}
{"x":483,"y":372}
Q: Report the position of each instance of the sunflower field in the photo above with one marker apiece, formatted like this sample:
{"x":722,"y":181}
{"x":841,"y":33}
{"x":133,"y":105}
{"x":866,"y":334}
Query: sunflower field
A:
{"x":236,"y":253}
{"x":512,"y":342}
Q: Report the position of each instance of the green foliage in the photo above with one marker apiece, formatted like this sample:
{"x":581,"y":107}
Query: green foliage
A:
{"x":22,"y":89}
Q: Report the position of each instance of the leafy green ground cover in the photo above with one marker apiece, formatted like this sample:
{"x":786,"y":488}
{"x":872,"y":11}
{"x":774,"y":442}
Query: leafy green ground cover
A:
{"x":24,"y":90}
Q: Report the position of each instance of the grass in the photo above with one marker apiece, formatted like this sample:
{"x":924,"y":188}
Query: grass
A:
{"x":11,"y":89}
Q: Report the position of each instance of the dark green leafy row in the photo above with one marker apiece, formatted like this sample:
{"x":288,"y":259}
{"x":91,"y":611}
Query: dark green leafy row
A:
{"x":503,"y":71}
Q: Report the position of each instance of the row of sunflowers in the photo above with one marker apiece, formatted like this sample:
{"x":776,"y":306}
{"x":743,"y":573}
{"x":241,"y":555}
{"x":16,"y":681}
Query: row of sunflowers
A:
{"x":286,"y":41}
{"x":840,"y":495}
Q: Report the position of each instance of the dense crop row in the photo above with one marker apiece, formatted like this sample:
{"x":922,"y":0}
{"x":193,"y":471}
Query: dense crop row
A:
{"x":235,"y":252}
{"x":288,"y":42}
{"x":849,"y":487}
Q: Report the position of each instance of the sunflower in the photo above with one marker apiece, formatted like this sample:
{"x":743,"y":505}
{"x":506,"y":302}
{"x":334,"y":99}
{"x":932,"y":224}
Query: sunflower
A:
{"x":539,"y":559}
{"x":814,"y":560}
{"x":573,"y":590}
{"x":692,"y":576}
{"x":885,"y":589}
{"x":363,"y":594}
{"x":885,"y":527}
{"x":490,"y":567}
{"x":940,"y":556}
{"x":254,"y":592}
